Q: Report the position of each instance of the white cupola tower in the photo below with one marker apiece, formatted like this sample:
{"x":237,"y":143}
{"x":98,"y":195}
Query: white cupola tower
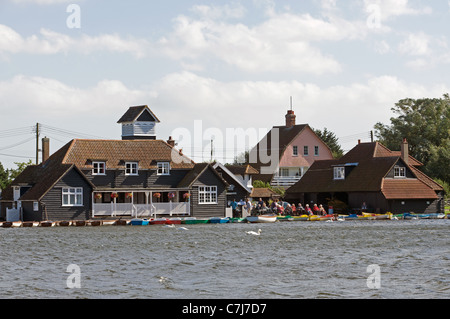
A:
{"x":138,"y":123}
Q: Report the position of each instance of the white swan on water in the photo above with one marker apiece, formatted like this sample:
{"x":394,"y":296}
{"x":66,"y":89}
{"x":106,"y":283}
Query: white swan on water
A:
{"x":254,"y":233}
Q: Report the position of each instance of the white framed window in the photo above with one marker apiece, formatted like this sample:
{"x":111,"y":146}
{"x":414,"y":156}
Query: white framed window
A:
{"x":339,"y":173}
{"x":316,"y":150}
{"x":131,"y":168}
{"x":98,"y":168}
{"x":163,"y":168}
{"x":305,"y":150}
{"x":207,"y":195}
{"x":399,"y":172}
{"x":295,"y":151}
{"x":72,"y":196}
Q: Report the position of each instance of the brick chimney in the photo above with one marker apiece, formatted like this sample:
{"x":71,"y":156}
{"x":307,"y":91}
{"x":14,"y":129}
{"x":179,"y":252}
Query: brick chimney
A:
{"x":171,"y":142}
{"x":45,"y":149}
{"x":405,"y":151}
{"x":290,"y":118}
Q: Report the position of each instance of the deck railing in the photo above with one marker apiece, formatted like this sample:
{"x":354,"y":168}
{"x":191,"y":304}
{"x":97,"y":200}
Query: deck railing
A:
{"x":140,"y":210}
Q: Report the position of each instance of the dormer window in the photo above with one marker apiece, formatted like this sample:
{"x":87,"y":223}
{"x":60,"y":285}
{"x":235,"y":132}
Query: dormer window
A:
{"x":339,"y":173}
{"x":163,"y":168}
{"x":98,"y":168}
{"x":131,"y":168}
{"x":399,"y":172}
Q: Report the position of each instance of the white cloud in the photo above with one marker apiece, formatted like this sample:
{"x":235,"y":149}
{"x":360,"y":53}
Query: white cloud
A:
{"x":283,"y":42}
{"x":344,"y":109}
{"x":42,"y":2}
{"x":416,"y":45}
{"x":395,"y":8}
{"x":51,"y":42}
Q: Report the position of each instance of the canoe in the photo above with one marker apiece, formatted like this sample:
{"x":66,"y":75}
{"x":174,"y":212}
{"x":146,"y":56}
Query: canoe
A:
{"x":193,"y":221}
{"x":237,"y":220}
{"x":95,"y":222}
{"x":285,"y":218}
{"x":47,"y":223}
{"x":80,"y":223}
{"x":30,"y":224}
{"x":139,"y":222}
{"x":326,"y":217}
{"x":11,"y":224}
{"x":64,"y":223}
{"x":262,"y":219}
{"x":314,"y":218}
{"x":172,"y":221}
{"x":158,"y":221}
{"x":120,"y":222}
{"x":219,"y":220}
{"x":377,"y":216}
{"x":301,"y":218}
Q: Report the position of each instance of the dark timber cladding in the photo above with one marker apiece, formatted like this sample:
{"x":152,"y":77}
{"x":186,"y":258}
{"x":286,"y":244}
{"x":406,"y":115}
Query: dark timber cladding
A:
{"x":205,"y":175}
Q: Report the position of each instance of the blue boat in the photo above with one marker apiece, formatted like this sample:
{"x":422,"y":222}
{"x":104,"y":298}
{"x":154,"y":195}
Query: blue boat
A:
{"x":139,"y":222}
{"x":219,"y":220}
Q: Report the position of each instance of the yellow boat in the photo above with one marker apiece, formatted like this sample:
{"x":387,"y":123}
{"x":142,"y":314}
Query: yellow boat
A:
{"x":377,"y":216}
{"x":314,"y":218}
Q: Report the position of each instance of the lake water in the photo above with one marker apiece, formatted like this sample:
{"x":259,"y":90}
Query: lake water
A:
{"x":289,"y":260}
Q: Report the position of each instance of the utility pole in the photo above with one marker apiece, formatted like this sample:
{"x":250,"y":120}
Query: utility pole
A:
{"x":37,"y":143}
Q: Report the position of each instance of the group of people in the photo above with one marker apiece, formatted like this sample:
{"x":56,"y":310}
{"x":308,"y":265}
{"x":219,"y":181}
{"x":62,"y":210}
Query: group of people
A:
{"x":276,"y":207}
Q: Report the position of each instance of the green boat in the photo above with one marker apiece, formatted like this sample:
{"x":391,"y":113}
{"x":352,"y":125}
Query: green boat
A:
{"x":285,"y":218}
{"x":238,"y":220}
{"x":193,"y":220}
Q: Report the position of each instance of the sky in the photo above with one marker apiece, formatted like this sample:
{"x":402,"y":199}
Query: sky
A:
{"x":213,"y":67}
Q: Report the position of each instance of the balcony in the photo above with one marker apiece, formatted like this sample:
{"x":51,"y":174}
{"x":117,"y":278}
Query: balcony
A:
{"x":285,"y":180}
{"x":140,"y":210}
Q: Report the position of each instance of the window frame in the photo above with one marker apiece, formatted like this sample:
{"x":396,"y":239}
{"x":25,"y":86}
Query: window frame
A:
{"x":306,"y":150}
{"x":100,"y":166}
{"x":399,"y":171}
{"x":339,"y":173}
{"x":163,"y":169}
{"x":316,"y":150}
{"x":74,"y":196}
{"x":131,"y":168}
{"x":295,"y":150}
{"x":207,"y":195}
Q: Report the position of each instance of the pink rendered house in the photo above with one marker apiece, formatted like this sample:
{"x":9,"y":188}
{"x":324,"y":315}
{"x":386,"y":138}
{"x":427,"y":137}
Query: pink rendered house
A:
{"x":285,"y":154}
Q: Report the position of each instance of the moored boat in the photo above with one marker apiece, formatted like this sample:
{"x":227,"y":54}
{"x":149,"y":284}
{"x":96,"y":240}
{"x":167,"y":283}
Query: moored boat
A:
{"x":80,"y":223}
{"x":193,"y":221}
{"x":262,"y":219}
{"x":139,"y":222}
{"x":301,"y":218}
{"x":285,"y":218}
{"x":314,"y":218}
{"x":158,"y":221}
{"x":219,"y":220}
{"x":47,"y":223}
{"x":175,"y":220}
{"x":237,"y":220}
{"x":326,"y":217}
{"x":64,"y":223}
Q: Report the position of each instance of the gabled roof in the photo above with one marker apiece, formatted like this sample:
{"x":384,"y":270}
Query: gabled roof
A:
{"x":194,"y":174}
{"x":225,"y":168}
{"x":41,"y":178}
{"x":375,"y":149}
{"x":242,"y":169}
{"x":134,"y":112}
{"x":116,"y":152}
{"x":263,"y":193}
{"x":370,"y":163}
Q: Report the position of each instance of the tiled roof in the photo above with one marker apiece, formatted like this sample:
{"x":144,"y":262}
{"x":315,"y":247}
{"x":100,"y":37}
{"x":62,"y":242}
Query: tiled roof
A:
{"x":407,"y":189}
{"x":116,"y":152}
{"x":195,"y":173}
{"x":262,"y":192}
{"x":242,"y":169}
{"x":370,"y":163}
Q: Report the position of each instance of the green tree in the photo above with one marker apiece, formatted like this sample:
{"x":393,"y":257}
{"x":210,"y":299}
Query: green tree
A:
{"x":425,"y":123}
{"x":4,"y":177}
{"x":8,"y":175}
{"x":332,"y":141}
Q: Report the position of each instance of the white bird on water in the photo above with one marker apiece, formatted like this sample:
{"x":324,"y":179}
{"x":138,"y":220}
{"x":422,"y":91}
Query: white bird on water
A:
{"x":254,"y":233}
